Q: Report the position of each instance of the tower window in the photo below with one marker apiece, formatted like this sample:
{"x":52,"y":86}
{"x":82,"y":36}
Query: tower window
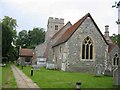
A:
{"x":56,"y":27}
{"x":87,"y":48}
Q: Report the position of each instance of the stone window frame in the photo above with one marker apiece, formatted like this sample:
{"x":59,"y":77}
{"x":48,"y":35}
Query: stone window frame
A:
{"x":83,"y":42}
{"x":115,"y":60}
{"x":56,"y":27}
{"x":60,"y":52}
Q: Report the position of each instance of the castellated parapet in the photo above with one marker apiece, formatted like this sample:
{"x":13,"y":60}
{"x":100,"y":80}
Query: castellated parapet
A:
{"x":53,"y":26}
{"x":56,"y":20}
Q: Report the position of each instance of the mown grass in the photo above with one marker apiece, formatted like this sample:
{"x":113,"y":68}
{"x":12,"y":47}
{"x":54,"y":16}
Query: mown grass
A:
{"x":59,"y":79}
{"x":0,"y":77}
{"x":8,"y":80}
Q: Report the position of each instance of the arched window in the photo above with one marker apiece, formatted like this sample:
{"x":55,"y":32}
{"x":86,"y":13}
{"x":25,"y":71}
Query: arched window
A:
{"x":87,"y":48}
{"x":115,"y":59}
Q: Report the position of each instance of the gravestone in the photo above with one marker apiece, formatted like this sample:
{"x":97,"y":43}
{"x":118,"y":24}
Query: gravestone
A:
{"x":108,"y":72}
{"x":116,"y":73}
{"x":36,"y":67}
{"x":116,"y":76}
{"x":98,"y":70}
{"x":50,"y":66}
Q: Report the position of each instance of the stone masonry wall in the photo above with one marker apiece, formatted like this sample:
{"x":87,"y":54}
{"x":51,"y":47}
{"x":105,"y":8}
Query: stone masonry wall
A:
{"x":75,"y":43}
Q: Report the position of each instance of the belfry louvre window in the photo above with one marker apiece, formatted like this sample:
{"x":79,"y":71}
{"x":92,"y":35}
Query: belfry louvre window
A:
{"x":87,"y":48}
{"x":115,"y":59}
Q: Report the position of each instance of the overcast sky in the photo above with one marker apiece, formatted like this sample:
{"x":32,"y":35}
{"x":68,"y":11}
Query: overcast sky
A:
{"x":35,"y":13}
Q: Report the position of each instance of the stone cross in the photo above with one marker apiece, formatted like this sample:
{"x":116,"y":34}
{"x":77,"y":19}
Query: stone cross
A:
{"x":116,"y":72}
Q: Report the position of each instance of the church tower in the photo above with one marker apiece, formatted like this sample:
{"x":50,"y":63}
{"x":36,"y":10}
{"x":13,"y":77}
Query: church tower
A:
{"x":53,"y":26}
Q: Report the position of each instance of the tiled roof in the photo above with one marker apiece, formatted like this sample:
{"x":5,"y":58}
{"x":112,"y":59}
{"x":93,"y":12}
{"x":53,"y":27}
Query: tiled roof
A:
{"x":111,"y":46}
{"x":69,"y":32}
{"x":47,"y":49}
{"x":23,"y":52}
{"x":55,"y":35}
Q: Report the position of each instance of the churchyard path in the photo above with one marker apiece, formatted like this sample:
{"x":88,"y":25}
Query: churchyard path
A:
{"x":22,"y":80}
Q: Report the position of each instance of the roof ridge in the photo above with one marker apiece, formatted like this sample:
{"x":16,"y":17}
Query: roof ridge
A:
{"x":72,"y":28}
{"x":55,"y":35}
{"x":26,"y":48}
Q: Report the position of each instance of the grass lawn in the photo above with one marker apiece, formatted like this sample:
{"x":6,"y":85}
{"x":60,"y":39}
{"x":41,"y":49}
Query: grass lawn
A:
{"x":8,"y":80}
{"x":0,"y":77}
{"x":59,"y":79}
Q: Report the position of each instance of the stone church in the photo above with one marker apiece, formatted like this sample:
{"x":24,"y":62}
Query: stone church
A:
{"x":80,"y":47}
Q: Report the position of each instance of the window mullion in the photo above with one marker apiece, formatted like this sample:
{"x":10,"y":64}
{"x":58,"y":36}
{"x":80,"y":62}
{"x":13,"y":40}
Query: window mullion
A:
{"x":89,"y":51}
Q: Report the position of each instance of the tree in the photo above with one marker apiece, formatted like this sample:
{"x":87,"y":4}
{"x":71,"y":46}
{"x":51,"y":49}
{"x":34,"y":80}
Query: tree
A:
{"x":8,"y":34}
{"x":31,"y":38}
{"x":36,"y":36}
{"x":22,"y":39}
{"x":116,"y":39}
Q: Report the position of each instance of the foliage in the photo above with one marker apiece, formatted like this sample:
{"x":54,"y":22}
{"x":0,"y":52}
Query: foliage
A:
{"x":31,"y":38}
{"x":59,"y":79}
{"x":8,"y":35}
{"x":8,"y":80}
{"x":116,"y":39}
{"x":11,"y":42}
{"x":22,"y":39}
{"x":36,"y":36}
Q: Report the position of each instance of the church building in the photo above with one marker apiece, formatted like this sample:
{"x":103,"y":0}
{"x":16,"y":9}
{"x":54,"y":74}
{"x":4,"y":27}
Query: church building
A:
{"x":80,"y":47}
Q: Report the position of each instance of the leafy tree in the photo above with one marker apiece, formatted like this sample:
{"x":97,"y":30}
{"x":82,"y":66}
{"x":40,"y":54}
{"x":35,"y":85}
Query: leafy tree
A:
{"x":22,"y":39}
{"x":36,"y":36}
{"x":116,"y":39}
{"x":8,"y":34}
{"x":31,"y":38}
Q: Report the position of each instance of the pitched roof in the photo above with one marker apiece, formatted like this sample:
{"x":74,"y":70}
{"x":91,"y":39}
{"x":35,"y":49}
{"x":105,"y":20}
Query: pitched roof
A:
{"x":23,"y":52}
{"x":47,"y":49}
{"x":55,"y":35}
{"x":111,"y":46}
{"x":69,"y":32}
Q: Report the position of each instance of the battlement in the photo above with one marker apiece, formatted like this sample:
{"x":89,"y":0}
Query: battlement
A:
{"x":56,"y":20}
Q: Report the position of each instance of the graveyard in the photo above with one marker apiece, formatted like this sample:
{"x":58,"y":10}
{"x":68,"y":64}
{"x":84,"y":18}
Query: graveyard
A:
{"x":45,"y":78}
{"x":59,"y":45}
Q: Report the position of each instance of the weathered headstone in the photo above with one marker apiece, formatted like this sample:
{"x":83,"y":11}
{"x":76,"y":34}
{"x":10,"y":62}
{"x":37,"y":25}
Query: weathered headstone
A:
{"x":116,"y":73}
{"x":108,"y":72}
{"x":36,"y":67}
{"x":50,"y":66}
{"x":98,"y":70}
{"x":116,"y":76}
